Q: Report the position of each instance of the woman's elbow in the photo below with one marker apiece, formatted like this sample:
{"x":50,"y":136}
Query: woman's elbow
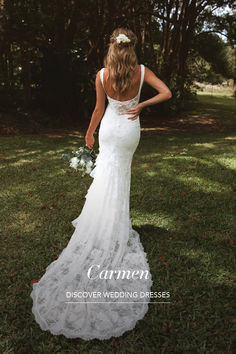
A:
{"x":98,"y":111}
{"x":168,"y":95}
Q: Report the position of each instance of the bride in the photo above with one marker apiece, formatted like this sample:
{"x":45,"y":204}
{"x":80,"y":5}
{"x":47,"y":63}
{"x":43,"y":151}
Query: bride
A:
{"x":80,"y":294}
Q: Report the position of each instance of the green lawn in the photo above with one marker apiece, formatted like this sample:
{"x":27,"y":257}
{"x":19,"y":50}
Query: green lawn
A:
{"x":183,"y":197}
{"x":220,"y":106}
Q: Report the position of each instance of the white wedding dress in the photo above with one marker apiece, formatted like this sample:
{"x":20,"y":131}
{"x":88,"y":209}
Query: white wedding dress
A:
{"x":103,"y":236}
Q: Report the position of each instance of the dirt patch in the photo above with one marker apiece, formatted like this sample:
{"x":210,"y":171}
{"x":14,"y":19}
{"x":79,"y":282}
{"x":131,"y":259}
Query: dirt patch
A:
{"x":180,"y":124}
{"x":10,"y":126}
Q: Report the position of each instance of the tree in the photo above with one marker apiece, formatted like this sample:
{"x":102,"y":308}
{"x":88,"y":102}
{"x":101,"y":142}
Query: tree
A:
{"x":51,"y":51}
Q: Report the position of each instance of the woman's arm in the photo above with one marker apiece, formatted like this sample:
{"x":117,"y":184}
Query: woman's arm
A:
{"x":164,"y":92}
{"x":163,"y":95}
{"x":97,"y":113}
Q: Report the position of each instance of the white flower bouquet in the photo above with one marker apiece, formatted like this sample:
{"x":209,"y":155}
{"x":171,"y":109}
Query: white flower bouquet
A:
{"x":82,"y":159}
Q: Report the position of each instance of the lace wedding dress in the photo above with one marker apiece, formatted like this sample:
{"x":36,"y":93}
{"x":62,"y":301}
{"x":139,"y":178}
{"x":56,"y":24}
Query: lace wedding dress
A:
{"x":104,"y":237}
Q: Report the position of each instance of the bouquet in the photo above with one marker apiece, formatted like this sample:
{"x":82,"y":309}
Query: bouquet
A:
{"x":81,"y":160}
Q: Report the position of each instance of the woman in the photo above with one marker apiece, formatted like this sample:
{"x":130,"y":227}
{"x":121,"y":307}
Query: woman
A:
{"x":98,"y":286}
{"x":121,"y":61}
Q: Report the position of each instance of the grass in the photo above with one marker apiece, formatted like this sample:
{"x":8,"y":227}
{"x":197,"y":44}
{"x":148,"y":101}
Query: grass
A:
{"x":183,"y":195}
{"x":218,"y":106}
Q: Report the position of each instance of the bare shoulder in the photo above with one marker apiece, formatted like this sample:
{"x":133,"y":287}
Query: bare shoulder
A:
{"x":105,"y":73}
{"x":151,"y":78}
{"x":98,"y":73}
{"x":98,"y":77}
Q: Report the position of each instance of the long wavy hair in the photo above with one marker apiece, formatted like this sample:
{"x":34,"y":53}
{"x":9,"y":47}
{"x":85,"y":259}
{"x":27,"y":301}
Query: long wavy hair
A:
{"x":121,"y":60}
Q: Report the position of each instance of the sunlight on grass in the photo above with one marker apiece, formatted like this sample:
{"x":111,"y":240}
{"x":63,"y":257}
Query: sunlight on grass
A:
{"x":205,"y":257}
{"x":200,"y":184}
{"x":208,"y":145}
{"x":227,"y":162}
{"x":151,"y":173}
{"x":223,"y":92}
{"x":230,"y":138}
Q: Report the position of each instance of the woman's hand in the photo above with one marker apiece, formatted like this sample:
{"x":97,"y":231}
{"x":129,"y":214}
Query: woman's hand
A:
{"x":135,"y":111}
{"x":89,"y":139}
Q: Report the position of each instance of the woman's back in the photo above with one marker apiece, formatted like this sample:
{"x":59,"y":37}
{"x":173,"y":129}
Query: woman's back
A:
{"x":131,"y":92}
{"x":130,"y":99}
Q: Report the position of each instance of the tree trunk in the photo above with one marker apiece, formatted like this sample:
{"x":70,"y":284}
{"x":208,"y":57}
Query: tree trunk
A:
{"x":26,"y":75}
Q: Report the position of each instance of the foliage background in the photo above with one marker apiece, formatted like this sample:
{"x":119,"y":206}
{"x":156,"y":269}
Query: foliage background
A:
{"x":51,"y":51}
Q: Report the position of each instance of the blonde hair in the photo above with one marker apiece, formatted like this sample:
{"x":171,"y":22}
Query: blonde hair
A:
{"x":121,"y":60}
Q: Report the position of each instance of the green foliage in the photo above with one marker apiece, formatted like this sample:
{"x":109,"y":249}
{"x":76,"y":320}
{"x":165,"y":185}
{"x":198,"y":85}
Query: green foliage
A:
{"x":215,"y":52}
{"x":182,"y":92}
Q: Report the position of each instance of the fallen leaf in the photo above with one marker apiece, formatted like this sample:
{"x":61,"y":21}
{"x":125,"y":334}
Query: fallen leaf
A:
{"x":165,"y":328}
{"x":12,"y":275}
{"x":115,"y":345}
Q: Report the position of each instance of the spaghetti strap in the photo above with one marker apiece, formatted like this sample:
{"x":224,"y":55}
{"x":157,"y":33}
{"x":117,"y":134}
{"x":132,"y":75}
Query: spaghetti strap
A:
{"x":142,"y":76}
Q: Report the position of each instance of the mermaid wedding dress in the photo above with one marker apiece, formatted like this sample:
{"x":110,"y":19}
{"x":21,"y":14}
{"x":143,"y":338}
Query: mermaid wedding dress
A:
{"x":103,"y":238}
